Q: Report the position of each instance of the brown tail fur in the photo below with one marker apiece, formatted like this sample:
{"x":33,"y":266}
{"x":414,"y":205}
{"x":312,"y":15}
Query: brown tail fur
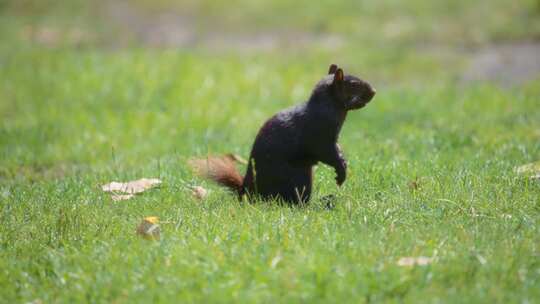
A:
{"x":220,"y":169}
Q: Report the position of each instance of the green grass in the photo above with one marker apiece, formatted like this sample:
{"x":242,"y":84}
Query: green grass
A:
{"x":73,"y":118}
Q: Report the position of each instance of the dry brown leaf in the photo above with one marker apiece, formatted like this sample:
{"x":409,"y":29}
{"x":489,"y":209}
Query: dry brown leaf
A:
{"x":149,"y":228}
{"x":412,"y":261}
{"x":199,"y":192}
{"x":415,"y":184}
{"x":532,"y":170}
{"x":132,"y":187}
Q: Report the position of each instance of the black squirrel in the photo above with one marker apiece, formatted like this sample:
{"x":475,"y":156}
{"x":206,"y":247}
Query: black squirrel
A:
{"x":291,"y":142}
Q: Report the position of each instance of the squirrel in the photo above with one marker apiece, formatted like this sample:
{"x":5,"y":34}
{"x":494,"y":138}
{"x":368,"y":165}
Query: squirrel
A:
{"x":291,"y":142}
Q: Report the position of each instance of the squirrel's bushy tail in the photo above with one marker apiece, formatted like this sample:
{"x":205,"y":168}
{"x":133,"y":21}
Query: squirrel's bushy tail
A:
{"x":220,"y":169}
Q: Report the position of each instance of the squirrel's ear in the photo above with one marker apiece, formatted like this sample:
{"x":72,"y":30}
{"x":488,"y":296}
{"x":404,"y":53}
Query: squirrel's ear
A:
{"x":338,"y":76}
{"x":332,"y":69}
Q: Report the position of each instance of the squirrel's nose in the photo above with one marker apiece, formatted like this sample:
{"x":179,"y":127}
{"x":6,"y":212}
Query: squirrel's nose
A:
{"x":371,"y":93}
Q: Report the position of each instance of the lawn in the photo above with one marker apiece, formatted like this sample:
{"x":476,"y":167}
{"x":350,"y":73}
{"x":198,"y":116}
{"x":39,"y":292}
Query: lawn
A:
{"x":88,"y":96}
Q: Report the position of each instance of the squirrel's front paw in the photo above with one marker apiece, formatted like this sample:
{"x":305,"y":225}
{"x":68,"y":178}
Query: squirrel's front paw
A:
{"x":340,"y":178}
{"x":341,"y":172}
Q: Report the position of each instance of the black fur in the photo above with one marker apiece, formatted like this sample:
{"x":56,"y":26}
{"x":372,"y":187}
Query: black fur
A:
{"x":292,"y":141}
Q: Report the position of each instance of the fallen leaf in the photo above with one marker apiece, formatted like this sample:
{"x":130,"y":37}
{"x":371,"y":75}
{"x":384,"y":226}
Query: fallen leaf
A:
{"x":199,"y":192}
{"x":414,"y":185}
{"x":132,"y":187}
{"x":149,"y":228}
{"x":237,"y":158}
{"x":412,"y":261}
{"x":275,"y":261}
{"x":532,"y":170}
{"x":481,"y":259}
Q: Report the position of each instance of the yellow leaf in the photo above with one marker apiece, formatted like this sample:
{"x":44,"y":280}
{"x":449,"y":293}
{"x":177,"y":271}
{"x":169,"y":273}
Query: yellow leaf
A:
{"x":149,"y":228}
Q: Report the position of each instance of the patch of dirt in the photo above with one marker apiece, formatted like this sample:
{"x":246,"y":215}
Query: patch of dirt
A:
{"x":172,"y":29}
{"x":50,"y":36}
{"x":506,"y":64}
{"x":166,"y":28}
